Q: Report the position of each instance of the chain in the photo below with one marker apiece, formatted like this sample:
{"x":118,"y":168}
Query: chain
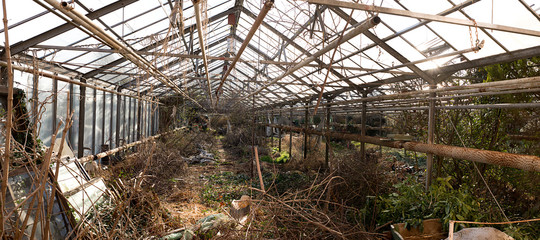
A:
{"x":475,"y":42}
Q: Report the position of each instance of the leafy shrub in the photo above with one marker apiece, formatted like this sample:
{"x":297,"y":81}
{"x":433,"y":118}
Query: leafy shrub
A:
{"x":411,"y":204}
{"x":283,"y":158}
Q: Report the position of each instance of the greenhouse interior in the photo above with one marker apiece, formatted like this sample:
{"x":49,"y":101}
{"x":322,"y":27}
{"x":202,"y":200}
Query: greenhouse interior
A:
{"x":270,"y":119}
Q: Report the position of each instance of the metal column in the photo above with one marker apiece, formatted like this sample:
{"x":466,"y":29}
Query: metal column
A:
{"x":290,"y":133}
{"x":305,"y":133}
{"x":139,"y":110}
{"x":118,"y":109}
{"x":364,"y":120}
{"x":431,"y":128}
{"x":70,"y":133}
{"x":103,"y":120}
{"x":94,"y":110}
{"x":272,"y":129}
{"x":82,"y":111}
{"x":124,"y":120}
{"x":326,"y":137}
{"x":35,"y":102}
{"x":128,"y":134}
{"x":54,"y":104}
{"x":111,"y":123}
{"x":279,"y":131}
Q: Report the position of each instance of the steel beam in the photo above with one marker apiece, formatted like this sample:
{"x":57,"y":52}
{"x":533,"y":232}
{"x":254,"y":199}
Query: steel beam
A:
{"x":425,"y":16}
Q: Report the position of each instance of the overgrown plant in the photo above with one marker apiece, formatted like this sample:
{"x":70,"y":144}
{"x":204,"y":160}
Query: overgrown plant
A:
{"x":411,"y":204}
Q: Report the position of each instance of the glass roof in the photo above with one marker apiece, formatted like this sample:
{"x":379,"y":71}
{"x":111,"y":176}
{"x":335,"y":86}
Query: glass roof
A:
{"x":168,"y":40}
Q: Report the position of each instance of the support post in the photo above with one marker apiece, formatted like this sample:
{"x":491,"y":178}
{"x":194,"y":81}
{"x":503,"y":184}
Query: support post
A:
{"x":326,"y":137}
{"x":103,"y":121}
{"x":118,"y":110}
{"x":254,"y":128}
{"x":54,"y":104}
{"x":94,"y":110}
{"x":305,"y":133}
{"x":279,"y":131}
{"x":151,"y":117}
{"x":272,"y":129}
{"x":129,"y":130}
{"x":431,"y":128}
{"x":290,"y":134}
{"x":70,"y":133}
{"x":124,"y":120}
{"x":364,"y":116}
{"x":35,"y":99}
{"x":111,"y":123}
{"x":139,"y":111}
{"x":82,"y":111}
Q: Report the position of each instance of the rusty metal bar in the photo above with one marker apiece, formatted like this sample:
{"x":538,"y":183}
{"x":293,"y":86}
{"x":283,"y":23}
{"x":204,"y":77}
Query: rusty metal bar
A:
{"x":264,"y":10}
{"x":197,"y":9}
{"x":520,"y":161}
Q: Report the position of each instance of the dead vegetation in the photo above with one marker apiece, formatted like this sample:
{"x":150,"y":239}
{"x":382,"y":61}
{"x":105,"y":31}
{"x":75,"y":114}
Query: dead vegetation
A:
{"x":161,"y":169}
{"x":315,"y":152}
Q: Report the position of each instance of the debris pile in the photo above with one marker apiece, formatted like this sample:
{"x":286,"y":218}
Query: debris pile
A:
{"x":204,"y":157}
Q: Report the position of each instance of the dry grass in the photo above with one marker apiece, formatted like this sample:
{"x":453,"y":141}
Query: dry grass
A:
{"x":315,"y":157}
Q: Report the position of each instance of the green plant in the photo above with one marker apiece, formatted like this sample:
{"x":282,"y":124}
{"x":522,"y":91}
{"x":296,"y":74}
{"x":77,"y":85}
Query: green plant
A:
{"x":283,"y":157}
{"x":266,"y":158}
{"x":223,"y":188}
{"x":524,"y":231}
{"x":411,"y":204}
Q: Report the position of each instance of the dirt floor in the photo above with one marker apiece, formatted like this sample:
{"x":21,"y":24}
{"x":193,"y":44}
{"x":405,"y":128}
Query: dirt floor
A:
{"x":186,"y":200}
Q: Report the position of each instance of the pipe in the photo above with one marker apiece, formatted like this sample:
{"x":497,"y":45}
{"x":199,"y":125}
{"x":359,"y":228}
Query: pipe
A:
{"x":369,"y":23}
{"x":520,"y":81}
{"x":197,"y":9}
{"x":118,"y":149}
{"x":128,"y":53}
{"x":267,"y":6}
{"x":524,"y":162}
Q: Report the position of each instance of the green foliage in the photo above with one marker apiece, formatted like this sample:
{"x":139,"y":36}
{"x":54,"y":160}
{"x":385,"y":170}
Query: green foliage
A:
{"x":524,"y":231}
{"x":224,"y":187}
{"x":412,"y":204}
{"x":266,"y":158}
{"x":284,"y":157}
